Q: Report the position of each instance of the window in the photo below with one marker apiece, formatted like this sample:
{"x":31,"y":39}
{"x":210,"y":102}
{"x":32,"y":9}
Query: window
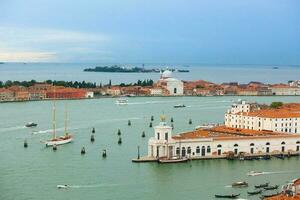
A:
{"x":268,"y":143}
{"x":158,"y":136}
{"x":208,"y":149}
{"x":258,"y":124}
{"x":219,"y":146}
{"x":203,"y":151}
{"x":175,"y":90}
{"x":282,"y":143}
{"x":189,"y":150}
{"x":177,"y":151}
{"x":235,"y":151}
{"x":197,"y":149}
{"x":236,"y":145}
{"x":183,"y":151}
{"x":251,"y":144}
{"x":166,"y":136}
{"x":251,"y":150}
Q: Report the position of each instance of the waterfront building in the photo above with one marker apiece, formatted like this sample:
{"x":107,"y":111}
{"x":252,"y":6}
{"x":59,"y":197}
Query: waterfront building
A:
{"x":20,"y":93}
{"x":156,"y":91}
{"x":66,"y":93}
{"x":285,"y":90}
{"x":172,"y":85}
{"x":220,"y":141}
{"x":243,"y":115}
{"x":6,"y":95}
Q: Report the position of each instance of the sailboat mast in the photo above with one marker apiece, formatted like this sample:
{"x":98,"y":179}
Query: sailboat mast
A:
{"x":54,"y":119}
{"x":66,"y":119}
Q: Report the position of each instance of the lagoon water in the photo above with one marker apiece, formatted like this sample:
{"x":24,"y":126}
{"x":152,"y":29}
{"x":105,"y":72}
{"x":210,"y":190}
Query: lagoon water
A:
{"x":213,"y":73}
{"x":34,"y":173}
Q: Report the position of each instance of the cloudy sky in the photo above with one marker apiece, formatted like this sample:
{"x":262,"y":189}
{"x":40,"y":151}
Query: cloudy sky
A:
{"x":151,"y":31}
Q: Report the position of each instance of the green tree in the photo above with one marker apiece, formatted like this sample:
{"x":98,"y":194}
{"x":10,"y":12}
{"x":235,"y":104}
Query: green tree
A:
{"x":276,"y":104}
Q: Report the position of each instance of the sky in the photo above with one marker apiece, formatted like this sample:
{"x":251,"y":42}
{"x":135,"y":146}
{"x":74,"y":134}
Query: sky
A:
{"x":151,"y":31}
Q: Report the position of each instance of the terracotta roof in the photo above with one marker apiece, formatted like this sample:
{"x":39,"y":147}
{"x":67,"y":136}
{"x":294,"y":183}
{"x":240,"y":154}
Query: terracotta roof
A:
{"x":289,"y":110}
{"x":227,"y":133}
{"x":283,"y":197}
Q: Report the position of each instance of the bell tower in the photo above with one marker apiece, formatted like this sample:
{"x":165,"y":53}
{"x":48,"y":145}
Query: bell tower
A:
{"x":163,"y":132}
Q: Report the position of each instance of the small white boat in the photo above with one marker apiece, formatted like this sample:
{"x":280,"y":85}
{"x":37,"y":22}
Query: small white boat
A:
{"x":62,"y":186}
{"x":172,"y":160}
{"x":254,"y":173}
{"x":205,"y":126}
{"x":121,"y":101}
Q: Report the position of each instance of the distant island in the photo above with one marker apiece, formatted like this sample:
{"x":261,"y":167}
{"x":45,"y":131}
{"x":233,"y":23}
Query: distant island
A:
{"x":1,"y":63}
{"x":119,"y":69}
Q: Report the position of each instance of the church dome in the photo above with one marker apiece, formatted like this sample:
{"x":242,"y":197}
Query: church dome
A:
{"x":166,"y":74}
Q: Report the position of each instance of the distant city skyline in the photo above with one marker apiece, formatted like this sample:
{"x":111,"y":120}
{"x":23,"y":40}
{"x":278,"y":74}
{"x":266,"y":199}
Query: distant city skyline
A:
{"x":134,"y":31}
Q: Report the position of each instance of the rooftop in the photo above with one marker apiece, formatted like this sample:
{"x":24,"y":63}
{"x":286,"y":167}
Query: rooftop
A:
{"x":227,"y":133}
{"x":289,"y":110}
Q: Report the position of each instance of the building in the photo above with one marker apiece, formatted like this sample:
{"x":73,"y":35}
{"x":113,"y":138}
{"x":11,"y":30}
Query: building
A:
{"x":223,"y":140}
{"x":113,"y":91}
{"x":172,"y":85}
{"x":156,"y":91}
{"x":66,"y":93}
{"x":285,"y":119}
{"x":20,"y":93}
{"x":285,"y":90}
{"x":6,"y":95}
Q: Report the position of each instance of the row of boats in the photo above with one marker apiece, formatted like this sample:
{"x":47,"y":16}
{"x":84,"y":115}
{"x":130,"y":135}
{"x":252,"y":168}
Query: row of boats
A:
{"x":259,"y":189}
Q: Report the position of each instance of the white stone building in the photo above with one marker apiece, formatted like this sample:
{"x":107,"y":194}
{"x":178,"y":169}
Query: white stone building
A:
{"x":172,"y":85}
{"x":221,"y":141}
{"x":285,"y":120}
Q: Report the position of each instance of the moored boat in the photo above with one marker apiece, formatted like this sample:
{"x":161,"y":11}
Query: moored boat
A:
{"x":270,"y":195}
{"x":254,"y":192}
{"x":275,"y":187}
{"x":262,"y":185}
{"x":175,"y":160}
{"x":229,"y":196}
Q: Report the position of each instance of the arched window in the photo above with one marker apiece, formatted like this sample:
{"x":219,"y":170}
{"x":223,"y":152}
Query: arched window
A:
{"x":298,"y":142}
{"x":189,"y":150}
{"x":236,"y":145}
{"x":158,"y":136}
{"x":282,"y":143}
{"x":252,"y":144}
{"x":219,"y":146}
{"x":203,"y":151}
{"x":268,"y":143}
{"x":177,"y":151}
{"x":197,"y":149}
{"x":208,"y":149}
{"x":175,"y":90}
{"x":183,"y":151}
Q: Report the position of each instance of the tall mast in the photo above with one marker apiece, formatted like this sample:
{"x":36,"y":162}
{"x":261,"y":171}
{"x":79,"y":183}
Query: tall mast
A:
{"x":54,"y":119}
{"x":66,"y":119}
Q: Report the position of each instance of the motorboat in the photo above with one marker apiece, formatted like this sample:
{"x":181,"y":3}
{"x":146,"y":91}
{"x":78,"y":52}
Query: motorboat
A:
{"x":62,"y":186}
{"x":240,"y":184}
{"x":121,"y":101}
{"x":31,"y":124}
{"x":254,"y":173}
{"x":179,"y":106}
{"x":229,"y":196}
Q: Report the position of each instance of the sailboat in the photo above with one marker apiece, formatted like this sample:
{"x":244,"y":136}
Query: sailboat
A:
{"x":66,"y":138}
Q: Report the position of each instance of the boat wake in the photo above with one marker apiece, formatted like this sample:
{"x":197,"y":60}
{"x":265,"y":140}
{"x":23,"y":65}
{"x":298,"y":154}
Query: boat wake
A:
{"x":85,"y":186}
{"x":279,"y":172}
{"x":45,"y":131}
{"x":14,"y":128}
